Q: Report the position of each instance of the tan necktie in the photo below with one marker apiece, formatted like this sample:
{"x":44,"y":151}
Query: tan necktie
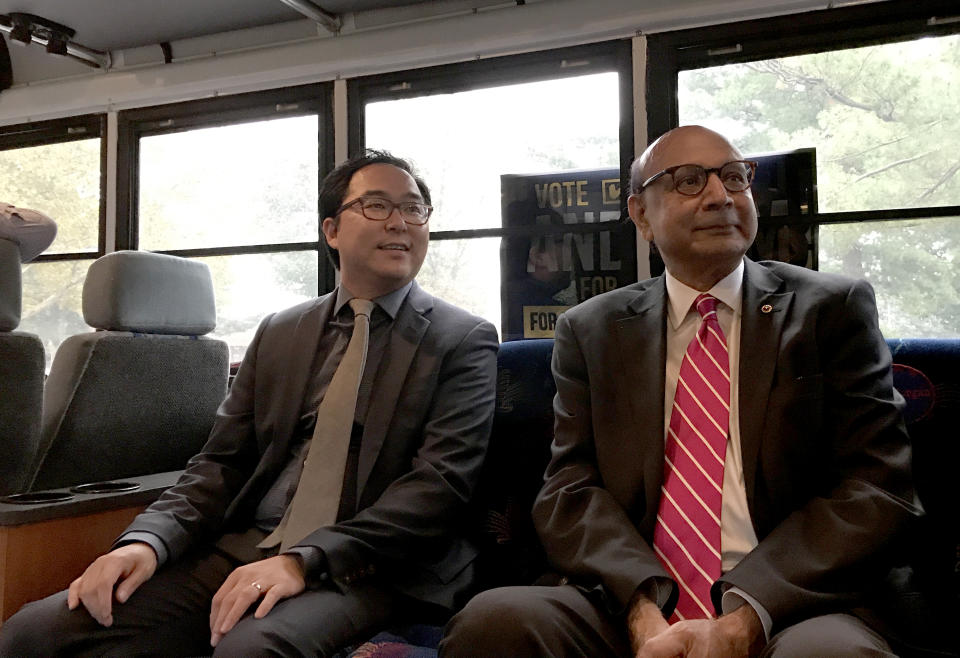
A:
{"x":317,"y":499}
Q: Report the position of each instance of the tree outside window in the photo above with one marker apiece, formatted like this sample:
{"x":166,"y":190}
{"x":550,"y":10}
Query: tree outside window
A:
{"x":61,"y":180}
{"x":884,"y":122}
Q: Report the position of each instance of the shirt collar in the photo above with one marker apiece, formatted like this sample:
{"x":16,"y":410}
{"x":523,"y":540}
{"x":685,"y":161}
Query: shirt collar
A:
{"x":389,"y":303}
{"x":727,"y":290}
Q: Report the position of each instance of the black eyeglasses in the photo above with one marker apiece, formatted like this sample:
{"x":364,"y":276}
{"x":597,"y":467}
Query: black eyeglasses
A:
{"x":379,"y":209}
{"x":690,"y":179}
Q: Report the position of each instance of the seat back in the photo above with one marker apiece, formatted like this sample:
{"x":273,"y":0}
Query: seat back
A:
{"x":510,"y":552}
{"x":139,"y":395}
{"x":21,"y":380}
{"x":925,"y":371}
{"x":10,"y":285}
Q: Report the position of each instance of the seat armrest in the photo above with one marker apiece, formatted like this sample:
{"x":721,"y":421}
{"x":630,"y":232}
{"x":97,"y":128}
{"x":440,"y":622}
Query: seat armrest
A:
{"x":149,"y":489}
{"x":44,"y":546}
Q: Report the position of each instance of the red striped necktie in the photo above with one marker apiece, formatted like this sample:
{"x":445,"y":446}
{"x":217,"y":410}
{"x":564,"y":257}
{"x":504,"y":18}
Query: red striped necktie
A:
{"x":687,"y":535}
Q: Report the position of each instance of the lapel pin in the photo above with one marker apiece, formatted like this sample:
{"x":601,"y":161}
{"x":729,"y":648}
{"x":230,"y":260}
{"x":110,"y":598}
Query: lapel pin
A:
{"x":766,"y":308}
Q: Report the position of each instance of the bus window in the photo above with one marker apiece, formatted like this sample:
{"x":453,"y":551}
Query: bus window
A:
{"x":883,"y":121}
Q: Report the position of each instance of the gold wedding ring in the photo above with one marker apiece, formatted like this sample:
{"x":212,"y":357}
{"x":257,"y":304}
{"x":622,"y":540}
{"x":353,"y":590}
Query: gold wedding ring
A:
{"x":257,"y":585}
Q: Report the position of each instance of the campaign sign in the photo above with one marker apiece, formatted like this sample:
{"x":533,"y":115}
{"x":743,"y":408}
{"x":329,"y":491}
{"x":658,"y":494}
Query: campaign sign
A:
{"x":568,"y":245}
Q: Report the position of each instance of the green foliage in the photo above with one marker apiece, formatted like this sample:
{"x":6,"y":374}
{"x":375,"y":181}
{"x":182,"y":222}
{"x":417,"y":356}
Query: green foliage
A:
{"x":246,"y":184}
{"x":883,"y":120}
{"x":62,"y":181}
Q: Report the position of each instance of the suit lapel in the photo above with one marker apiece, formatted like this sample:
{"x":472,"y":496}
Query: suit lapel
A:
{"x":642,"y":341}
{"x":405,"y":338}
{"x":763,"y":315}
{"x":297,"y":369}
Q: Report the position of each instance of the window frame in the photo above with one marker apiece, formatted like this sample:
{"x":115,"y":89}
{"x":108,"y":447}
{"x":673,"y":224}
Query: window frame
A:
{"x":669,"y":53}
{"x":59,"y":131}
{"x":216,"y":112}
{"x":500,"y":71}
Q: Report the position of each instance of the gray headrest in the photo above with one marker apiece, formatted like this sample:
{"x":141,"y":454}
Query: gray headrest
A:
{"x":149,"y":293}
{"x":10,"y":286}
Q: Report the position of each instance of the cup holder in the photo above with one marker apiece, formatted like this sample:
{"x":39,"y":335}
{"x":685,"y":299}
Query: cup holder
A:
{"x":37,"y":497}
{"x":105,"y":487}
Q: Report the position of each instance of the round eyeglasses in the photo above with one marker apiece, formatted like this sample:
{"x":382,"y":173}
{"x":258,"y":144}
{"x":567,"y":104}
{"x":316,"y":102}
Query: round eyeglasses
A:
{"x":379,"y":209}
{"x":690,"y":179}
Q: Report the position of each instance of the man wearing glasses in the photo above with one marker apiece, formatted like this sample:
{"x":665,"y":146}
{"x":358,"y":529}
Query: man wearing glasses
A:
{"x":284,"y":537}
{"x":729,"y":467}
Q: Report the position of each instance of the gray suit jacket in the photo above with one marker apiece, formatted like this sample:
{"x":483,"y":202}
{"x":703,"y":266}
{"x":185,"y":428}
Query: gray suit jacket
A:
{"x":825,"y":454}
{"x":424,"y":442}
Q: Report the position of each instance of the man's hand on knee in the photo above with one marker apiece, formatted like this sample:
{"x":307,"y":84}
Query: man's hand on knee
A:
{"x":738,"y":634}
{"x":274,"y":579}
{"x":129,"y":565}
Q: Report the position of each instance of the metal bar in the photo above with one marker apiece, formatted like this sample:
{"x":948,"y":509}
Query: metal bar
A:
{"x":241,"y":250}
{"x":883,"y":215}
{"x":330,"y":21}
{"x":95,"y":58}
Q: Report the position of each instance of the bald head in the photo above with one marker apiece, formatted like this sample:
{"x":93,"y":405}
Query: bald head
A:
{"x":702,"y":237}
{"x":683,"y":140}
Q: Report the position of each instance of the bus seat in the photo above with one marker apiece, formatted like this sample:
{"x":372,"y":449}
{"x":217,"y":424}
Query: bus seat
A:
{"x":925,"y":373}
{"x":138,"y":395}
{"x":21,"y":380}
{"x":10,"y":285}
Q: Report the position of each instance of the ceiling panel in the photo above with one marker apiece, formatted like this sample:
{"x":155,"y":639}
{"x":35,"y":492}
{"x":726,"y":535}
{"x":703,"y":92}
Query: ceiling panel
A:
{"x":117,"y":24}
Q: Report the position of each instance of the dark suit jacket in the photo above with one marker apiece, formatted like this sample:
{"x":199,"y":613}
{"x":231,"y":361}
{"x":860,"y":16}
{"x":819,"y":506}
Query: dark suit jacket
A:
{"x":825,"y":454}
{"x":424,"y":442}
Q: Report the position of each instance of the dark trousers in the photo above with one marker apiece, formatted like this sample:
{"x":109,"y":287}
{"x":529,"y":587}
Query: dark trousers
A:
{"x":169,"y":615}
{"x":561,"y":621}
